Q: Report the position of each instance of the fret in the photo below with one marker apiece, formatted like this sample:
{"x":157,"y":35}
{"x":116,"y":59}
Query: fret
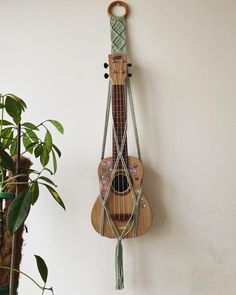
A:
{"x":119,"y":113}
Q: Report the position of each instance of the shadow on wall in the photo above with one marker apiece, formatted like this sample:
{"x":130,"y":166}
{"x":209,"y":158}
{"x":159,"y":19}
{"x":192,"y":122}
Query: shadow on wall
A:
{"x":140,"y":249}
{"x":153,"y":183}
{"x":152,"y":188}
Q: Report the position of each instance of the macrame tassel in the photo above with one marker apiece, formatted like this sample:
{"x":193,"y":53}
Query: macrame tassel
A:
{"x":119,"y":265}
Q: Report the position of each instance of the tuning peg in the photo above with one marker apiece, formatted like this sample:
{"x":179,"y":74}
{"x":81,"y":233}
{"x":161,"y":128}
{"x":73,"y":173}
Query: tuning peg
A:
{"x":129,"y":65}
{"x":129,"y":75}
{"x":105,"y":65}
{"x":106,"y":75}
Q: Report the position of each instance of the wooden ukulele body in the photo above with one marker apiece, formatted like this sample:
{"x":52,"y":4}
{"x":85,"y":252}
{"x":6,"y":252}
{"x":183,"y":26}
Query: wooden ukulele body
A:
{"x":120,"y":204}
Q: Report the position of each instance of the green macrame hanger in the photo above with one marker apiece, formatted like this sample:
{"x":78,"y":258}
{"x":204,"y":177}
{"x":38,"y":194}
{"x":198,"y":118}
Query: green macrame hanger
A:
{"x":118,"y":28}
{"x":119,"y":45}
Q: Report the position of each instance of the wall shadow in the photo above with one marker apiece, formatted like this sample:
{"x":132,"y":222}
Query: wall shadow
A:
{"x":153,"y":184}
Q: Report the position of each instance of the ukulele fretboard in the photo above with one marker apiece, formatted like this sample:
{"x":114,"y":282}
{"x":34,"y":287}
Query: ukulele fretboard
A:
{"x":119,"y":112}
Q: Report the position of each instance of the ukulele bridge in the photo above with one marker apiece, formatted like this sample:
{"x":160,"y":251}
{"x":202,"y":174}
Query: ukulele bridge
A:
{"x":120,"y":217}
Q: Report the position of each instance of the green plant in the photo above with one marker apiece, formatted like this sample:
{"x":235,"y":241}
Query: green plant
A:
{"x":43,"y":271}
{"x":37,"y":141}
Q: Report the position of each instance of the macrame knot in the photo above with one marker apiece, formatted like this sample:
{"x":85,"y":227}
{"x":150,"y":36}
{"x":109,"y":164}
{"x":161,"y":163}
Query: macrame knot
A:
{"x":120,"y":154}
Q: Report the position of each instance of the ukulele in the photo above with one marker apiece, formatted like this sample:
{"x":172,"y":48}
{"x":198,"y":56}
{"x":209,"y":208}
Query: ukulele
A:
{"x":120,"y":176}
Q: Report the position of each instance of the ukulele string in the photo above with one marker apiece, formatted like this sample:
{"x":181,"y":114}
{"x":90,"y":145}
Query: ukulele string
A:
{"x":122,"y":130}
{"x":125,"y":128}
{"x":119,"y":118}
{"x":125,"y":131}
{"x":119,"y":133}
{"x":116,"y":101}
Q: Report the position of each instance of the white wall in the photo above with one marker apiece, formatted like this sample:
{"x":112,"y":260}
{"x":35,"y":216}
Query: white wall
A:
{"x":183,"y":52}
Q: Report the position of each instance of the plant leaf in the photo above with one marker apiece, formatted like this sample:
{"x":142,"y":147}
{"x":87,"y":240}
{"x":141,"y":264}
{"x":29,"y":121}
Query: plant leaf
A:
{"x":48,"y":180}
{"x":54,"y":162}
{"x":45,"y":168}
{"x":57,"y":150}
{"x":34,"y":192}
{"x":48,"y":140}
{"x":19,"y":100}
{"x":30,"y":125}
{"x":8,"y":140}
{"x":13,"y":148}
{"x":33,"y":171}
{"x":42,"y":268}
{"x":55,"y":195}
{"x":30,"y":146}
{"x":26,"y":141}
{"x":7,"y":136}
{"x":13,"y":108}
{"x":32,"y":135}
{"x":38,"y":151}
{"x":7,"y":160}
{"x":23,"y":104}
{"x":57,"y":125}
{"x":44,"y":157}
{"x":19,"y":210}
{"x":6,"y":131}
{"x":5,"y":122}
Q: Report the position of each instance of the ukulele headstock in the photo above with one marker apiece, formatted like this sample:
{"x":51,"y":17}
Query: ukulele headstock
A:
{"x":118,"y":68}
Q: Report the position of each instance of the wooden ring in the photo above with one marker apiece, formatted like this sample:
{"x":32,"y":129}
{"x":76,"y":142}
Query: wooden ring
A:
{"x":119,"y":3}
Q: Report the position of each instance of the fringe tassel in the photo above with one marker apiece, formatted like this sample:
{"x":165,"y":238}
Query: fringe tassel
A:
{"x":119,"y":265}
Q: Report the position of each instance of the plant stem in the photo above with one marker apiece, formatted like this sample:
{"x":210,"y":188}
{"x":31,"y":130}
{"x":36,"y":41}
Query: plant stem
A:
{"x":23,"y":273}
{"x":29,"y":277}
{"x":2,"y":177}
{"x":16,"y":183}
{"x":13,"y":177}
{"x":43,"y":289}
{"x":2,"y":101}
{"x":14,"y":237}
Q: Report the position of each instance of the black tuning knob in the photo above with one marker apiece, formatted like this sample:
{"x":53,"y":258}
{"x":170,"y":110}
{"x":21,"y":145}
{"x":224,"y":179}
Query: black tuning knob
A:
{"x":129,"y":65}
{"x":129,"y":75}
{"x":106,"y":75}
{"x":105,"y":65}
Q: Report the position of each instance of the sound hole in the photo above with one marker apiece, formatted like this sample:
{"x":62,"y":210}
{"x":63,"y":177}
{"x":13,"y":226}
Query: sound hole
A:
{"x":120,"y":183}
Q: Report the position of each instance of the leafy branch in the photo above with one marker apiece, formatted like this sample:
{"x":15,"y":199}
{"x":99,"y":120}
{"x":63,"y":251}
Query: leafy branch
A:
{"x":43,"y":149}
{"x":43,"y":271}
{"x":38,"y":142}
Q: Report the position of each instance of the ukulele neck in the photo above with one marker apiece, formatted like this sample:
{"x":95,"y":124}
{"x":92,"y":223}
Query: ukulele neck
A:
{"x":119,"y":112}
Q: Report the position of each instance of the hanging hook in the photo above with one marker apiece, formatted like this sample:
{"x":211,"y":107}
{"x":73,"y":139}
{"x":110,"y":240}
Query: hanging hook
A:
{"x":118,"y":3}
